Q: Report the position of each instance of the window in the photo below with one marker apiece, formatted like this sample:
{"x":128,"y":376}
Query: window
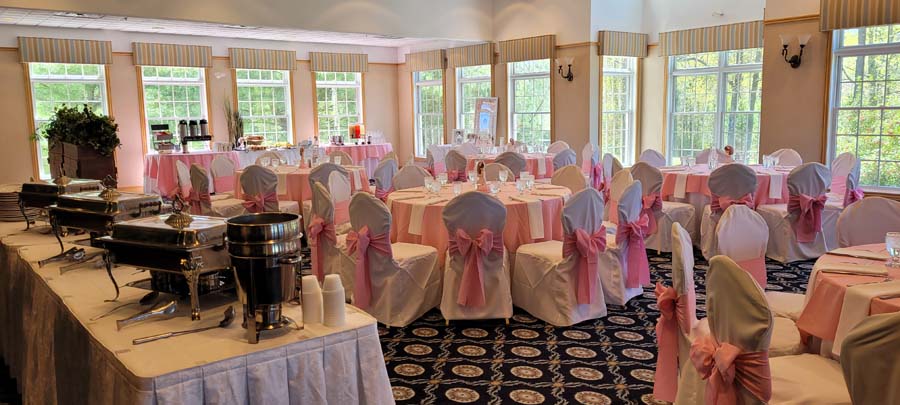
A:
{"x":338,"y":102}
{"x":529,"y":111}
{"x":172,"y":94}
{"x":429,"y":108}
{"x":714,"y":101}
{"x":264,"y":100}
{"x":865,"y":102}
{"x":618,"y":107}
{"x":472,"y":82}
{"x":57,"y":84}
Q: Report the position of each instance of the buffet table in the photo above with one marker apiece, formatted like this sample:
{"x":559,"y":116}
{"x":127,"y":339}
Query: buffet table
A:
{"x":248,"y":157}
{"x":363,"y":155}
{"x":293,"y":183}
{"x":57,"y":353}
{"x":538,"y":164}
{"x":160,"y":176}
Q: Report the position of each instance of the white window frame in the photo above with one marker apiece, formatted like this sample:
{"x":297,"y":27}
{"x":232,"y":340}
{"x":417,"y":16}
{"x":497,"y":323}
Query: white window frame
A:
{"x":721,"y":71}
{"x":420,"y":151}
{"x":631,"y":101}
{"x":204,"y":110}
{"x":511,"y":91}
{"x":460,"y":82}
{"x":37,"y":122}
{"x":333,"y":86}
{"x":284,"y":83}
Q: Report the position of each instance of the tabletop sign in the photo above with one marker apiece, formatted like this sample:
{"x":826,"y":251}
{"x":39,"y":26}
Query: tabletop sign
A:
{"x":486,"y":116}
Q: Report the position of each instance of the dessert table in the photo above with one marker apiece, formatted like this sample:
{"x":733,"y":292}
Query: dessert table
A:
{"x":58,"y":351}
{"x":363,"y":155}
{"x":293,"y":183}
{"x":538,"y":164}
{"x":160,"y":176}
{"x":248,"y":157}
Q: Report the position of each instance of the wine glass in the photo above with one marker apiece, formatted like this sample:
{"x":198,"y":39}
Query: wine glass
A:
{"x":494,"y":187}
{"x":892,"y":242}
{"x":520,"y":186}
{"x":713,"y":161}
{"x":442,"y":179}
{"x":457,"y":188}
{"x":690,"y":161}
{"x":472,"y":175}
{"x":504,"y":175}
{"x":529,"y":182}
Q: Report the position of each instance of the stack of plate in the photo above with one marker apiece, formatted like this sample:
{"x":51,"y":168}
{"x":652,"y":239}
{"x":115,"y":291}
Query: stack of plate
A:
{"x":9,"y":204}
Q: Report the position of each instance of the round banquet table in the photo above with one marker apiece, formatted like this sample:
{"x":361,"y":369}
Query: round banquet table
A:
{"x":160,"y":176}
{"x":293,"y":183}
{"x":532,"y":164}
{"x":363,"y":155}
{"x":248,"y":157}
{"x":518,"y":231}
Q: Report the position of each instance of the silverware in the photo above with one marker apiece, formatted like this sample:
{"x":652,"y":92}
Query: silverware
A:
{"x":861,"y":256}
{"x":229,"y":318}
{"x":144,"y":301}
{"x":84,"y":261}
{"x":159,"y":310}
{"x":75,"y":253}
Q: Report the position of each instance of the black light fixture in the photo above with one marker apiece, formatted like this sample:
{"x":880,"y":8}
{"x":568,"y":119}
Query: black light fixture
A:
{"x":794,"y":60}
{"x":565,"y":61}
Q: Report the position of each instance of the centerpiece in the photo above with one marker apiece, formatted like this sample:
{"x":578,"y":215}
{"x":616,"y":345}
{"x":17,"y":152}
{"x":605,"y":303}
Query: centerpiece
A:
{"x":81,"y":143}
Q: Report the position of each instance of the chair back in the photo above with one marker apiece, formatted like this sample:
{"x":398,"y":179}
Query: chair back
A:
{"x":702,"y":157}
{"x":629,"y":202}
{"x":650,"y":177}
{"x":346,"y":160}
{"x":557,"y":147}
{"x":266,"y":158}
{"x":788,"y":157}
{"x":514,"y":161}
{"x":339,"y":187}
{"x":492,"y":172}
{"x":456,"y":162}
{"x":867,"y":221}
{"x":845,"y":170}
{"x":390,"y":156}
{"x":733,"y":181}
{"x":183,"y":175}
{"x":569,"y":176}
{"x":259,"y":182}
{"x":583,"y":243}
{"x":199,"y":197}
{"x":619,"y":183}
{"x":590,"y":155}
{"x":222,"y":170}
{"x":653,"y":158}
{"x":811,"y":179}
{"x":683,"y":268}
{"x":466,"y":149}
{"x":564,"y":157}
{"x":322,"y":173}
{"x":471,"y":213}
{"x":869,"y":360}
{"x":807,"y":184}
{"x":326,"y":258}
{"x":611,"y":166}
{"x":584,"y":210}
{"x":370,"y":219}
{"x":384,"y":175}
{"x":366,"y":210}
{"x":742,"y":235}
{"x":409,"y":176}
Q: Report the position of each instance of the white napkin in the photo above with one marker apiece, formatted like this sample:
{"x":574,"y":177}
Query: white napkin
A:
{"x":357,"y":181}
{"x":392,"y":198}
{"x":281,"y":188}
{"x":541,"y":165}
{"x":680,"y":185}
{"x":856,"y":307}
{"x":417,"y":215}
{"x":535,"y":215}
{"x":776,"y":182}
{"x":337,"y":160}
{"x":860,"y":253}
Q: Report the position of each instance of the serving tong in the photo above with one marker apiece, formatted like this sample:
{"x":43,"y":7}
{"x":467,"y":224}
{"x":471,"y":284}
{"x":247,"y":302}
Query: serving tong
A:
{"x":156,"y":311}
{"x":73,"y":254}
{"x":227,"y":320}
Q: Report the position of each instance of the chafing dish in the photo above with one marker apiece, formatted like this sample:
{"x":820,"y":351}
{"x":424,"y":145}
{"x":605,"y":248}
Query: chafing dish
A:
{"x":41,"y":195}
{"x":184,"y":254}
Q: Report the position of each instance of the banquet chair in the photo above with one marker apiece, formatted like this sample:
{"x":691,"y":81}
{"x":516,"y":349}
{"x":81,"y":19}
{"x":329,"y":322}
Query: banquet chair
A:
{"x":466,"y":149}
{"x":611,"y":166}
{"x":259,"y":186}
{"x":590,"y":155}
{"x":558,"y":282}
{"x":702,"y":157}
{"x":653,"y":158}
{"x":660,"y":213}
{"x":409,"y":177}
{"x":266,"y":158}
{"x":199,"y":200}
{"x":869,"y":360}
{"x":804,"y":228}
{"x":612,"y":193}
{"x":728,"y":185}
{"x":384,"y":176}
{"x":514,"y":161}
{"x":429,"y":162}
{"x":325,"y":245}
{"x":476,"y":273}
{"x":222,"y":170}
{"x":492,"y":172}
{"x":844,"y":189}
{"x":346,"y":160}
{"x":390,"y":156}
{"x":394,"y":282}
{"x":742,"y":235}
{"x":788,"y":157}
{"x":868,"y":221}
{"x":336,"y":180}
{"x":455,"y":163}
{"x":183,"y":175}
{"x":564,"y":157}
{"x":624,"y":268}
{"x":557,"y":147}
{"x":570,"y":177}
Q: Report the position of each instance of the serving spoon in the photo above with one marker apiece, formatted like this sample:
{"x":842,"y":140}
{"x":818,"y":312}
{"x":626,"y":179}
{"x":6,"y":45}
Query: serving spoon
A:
{"x":229,"y":318}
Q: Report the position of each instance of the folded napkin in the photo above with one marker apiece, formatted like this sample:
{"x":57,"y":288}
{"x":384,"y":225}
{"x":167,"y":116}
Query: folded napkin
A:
{"x":417,"y":215}
{"x":535,"y":215}
{"x":680,"y":185}
{"x":671,"y":169}
{"x":549,"y":187}
{"x":393,"y":197}
{"x":357,"y":180}
{"x":776,"y":183}
{"x":857,"y":300}
{"x":541,"y":165}
{"x":281,"y":188}
{"x":861,"y":253}
{"x":852,"y":268}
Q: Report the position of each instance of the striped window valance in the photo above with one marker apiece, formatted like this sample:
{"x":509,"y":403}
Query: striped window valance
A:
{"x":338,"y":62}
{"x":147,"y":54}
{"x":517,"y":50}
{"x":473,"y":55}
{"x":615,"y":43}
{"x":712,"y":39}
{"x":428,"y":60}
{"x":271,"y":59}
{"x":53,"y":50}
{"x":841,"y":14}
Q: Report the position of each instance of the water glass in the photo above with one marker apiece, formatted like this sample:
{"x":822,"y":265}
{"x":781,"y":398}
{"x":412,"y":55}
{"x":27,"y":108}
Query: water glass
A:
{"x":892,"y":242}
{"x":504,"y":175}
{"x":713,"y":161}
{"x":520,"y":186}
{"x":690,"y":161}
{"x":442,"y":178}
{"x":472,"y":175}
{"x":529,"y":182}
{"x":494,"y":187}
{"x":457,"y":188}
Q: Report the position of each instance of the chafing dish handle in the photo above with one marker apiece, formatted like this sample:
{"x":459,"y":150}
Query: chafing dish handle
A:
{"x":141,"y":206}
{"x":108,"y":257}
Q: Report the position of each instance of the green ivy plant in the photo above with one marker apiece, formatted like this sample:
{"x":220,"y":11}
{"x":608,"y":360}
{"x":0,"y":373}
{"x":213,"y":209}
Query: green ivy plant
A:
{"x":82,"y":127}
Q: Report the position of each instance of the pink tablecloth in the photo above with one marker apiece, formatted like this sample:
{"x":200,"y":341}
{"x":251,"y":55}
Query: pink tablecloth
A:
{"x":160,"y":176}
{"x":516,"y":233}
{"x":822,"y":313}
{"x":359,"y":153}
{"x":698,"y":182}
{"x":296,"y":183}
{"x":531,"y":163}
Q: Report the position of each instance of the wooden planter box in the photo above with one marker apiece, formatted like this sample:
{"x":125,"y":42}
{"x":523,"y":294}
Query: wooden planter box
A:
{"x":80,"y":162}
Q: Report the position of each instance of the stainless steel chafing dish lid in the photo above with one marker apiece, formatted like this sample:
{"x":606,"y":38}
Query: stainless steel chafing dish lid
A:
{"x":73,"y":186}
{"x":121,"y":202}
{"x":201,"y":231}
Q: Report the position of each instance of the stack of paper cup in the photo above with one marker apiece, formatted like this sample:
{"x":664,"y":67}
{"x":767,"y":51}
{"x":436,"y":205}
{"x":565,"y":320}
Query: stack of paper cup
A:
{"x":312,"y":300}
{"x":333,"y":299}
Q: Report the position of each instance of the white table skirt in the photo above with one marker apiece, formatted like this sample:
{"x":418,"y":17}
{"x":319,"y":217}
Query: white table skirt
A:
{"x":58,"y":355}
{"x":248,"y":157}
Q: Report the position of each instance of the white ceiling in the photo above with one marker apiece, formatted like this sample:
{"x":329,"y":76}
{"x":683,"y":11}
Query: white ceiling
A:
{"x":53,"y":19}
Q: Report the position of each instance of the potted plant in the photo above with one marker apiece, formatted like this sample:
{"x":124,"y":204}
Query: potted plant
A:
{"x":235,"y":123}
{"x":81,"y":143}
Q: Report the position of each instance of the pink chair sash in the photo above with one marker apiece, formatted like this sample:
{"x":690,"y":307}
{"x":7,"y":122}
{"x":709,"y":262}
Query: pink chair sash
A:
{"x":383,"y":194}
{"x":597,"y":177}
{"x":638,"y":267}
{"x":197,"y":200}
{"x":223,"y":184}
{"x":257,"y":203}
{"x":471,"y":287}
{"x":604,"y":189}
{"x":674,"y":312}
{"x":589,"y":247}
{"x":853,"y":195}
{"x":724,"y":366}
{"x":652,"y":205}
{"x":319,"y":229}
{"x":807,"y":213}
{"x":360,"y":242}
{"x":456,"y":175}
{"x":757,"y":268}
{"x":718,"y":204}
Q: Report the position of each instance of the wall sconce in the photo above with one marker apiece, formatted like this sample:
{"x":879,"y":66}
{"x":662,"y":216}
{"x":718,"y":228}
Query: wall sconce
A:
{"x":565,"y":61}
{"x":794,"y":60}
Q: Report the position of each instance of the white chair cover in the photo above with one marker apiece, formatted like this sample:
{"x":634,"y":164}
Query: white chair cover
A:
{"x":199,"y":198}
{"x":410,"y":176}
{"x":492,"y":172}
{"x":466,"y":149}
{"x":571,"y":177}
{"x":742,"y":235}
{"x":683,"y":283}
{"x":222,"y":170}
{"x":257,"y":181}
{"x":470,"y":213}
{"x":590,"y":155}
{"x":732,"y":183}
{"x":557,"y":147}
{"x":869,"y":360}
{"x":346,"y":160}
{"x":546,"y":279}
{"x":702,"y":157}
{"x":455,"y":163}
{"x":617,"y":186}
{"x":611,"y":166}
{"x":788,"y":157}
{"x":845,"y":170}
{"x":406,"y":282}
{"x":390,"y":156}
{"x":653,"y":158}
{"x":266,"y":158}
{"x":514,"y":161}
{"x":564,"y":157}
{"x":384,"y":175}
{"x":666,"y":212}
{"x":614,"y":262}
{"x":322,"y":173}
{"x":330,"y":245}
{"x":867,"y":221}
{"x":183,"y":175}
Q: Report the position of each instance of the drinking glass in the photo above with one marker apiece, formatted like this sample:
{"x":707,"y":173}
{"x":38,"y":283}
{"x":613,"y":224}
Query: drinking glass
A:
{"x":892,"y":242}
{"x":529,"y":182}
{"x":504,"y":175}
{"x":713,"y":160}
{"x":472,"y":175}
{"x":494,"y":187}
{"x":523,"y":175}
{"x":457,"y":188}
{"x":442,"y":178}
{"x":520,"y":186}
{"x":690,"y":161}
